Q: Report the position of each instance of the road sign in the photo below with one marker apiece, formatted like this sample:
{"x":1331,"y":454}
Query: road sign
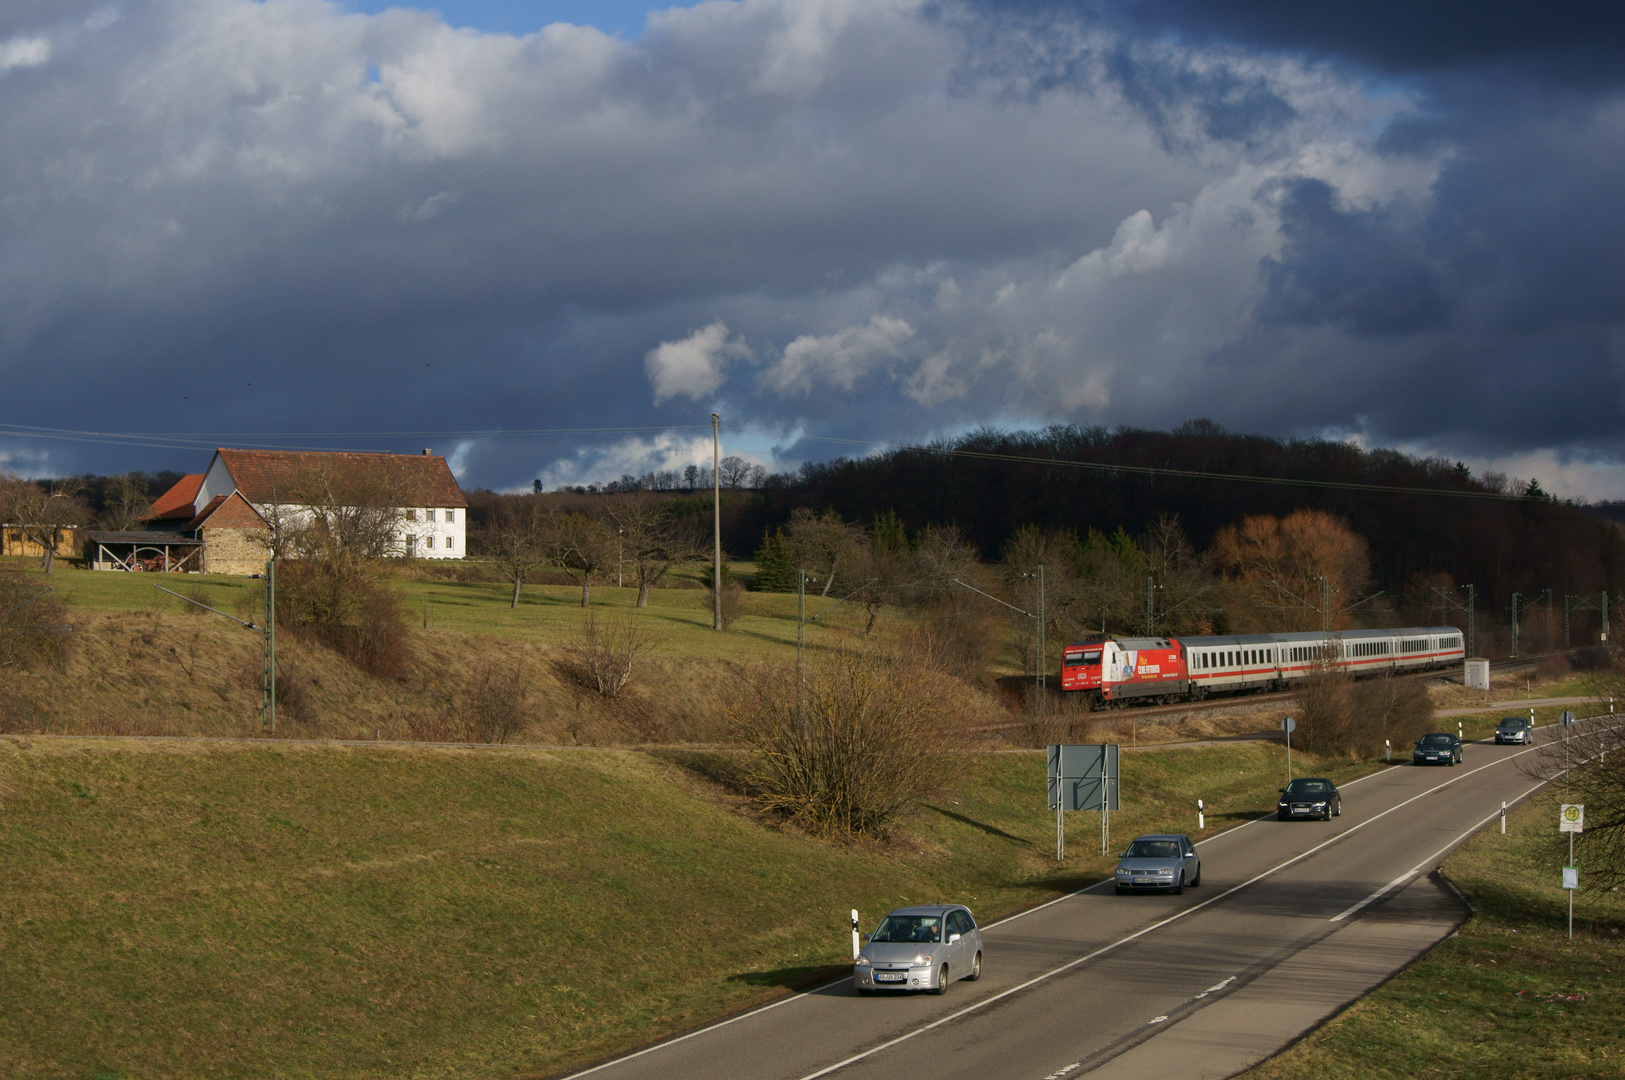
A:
{"x":1086,"y":776}
{"x":1571,"y":818}
{"x":1289,"y":725}
{"x":1566,"y":719}
{"x":1571,"y":877}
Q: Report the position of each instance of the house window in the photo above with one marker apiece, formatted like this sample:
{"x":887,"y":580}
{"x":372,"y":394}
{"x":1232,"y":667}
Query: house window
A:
{"x":428,"y":515}
{"x":450,"y":542}
{"x":451,"y":516}
{"x":411,"y":515}
{"x":411,"y":545}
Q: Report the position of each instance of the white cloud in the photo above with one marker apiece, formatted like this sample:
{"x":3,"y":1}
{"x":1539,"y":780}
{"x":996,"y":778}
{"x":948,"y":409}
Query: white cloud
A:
{"x":23,"y":52}
{"x":429,"y":208}
{"x":696,"y":366}
{"x":837,"y":360}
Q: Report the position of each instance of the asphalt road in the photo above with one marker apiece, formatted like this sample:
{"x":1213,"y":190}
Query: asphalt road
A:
{"x":1292,"y":921}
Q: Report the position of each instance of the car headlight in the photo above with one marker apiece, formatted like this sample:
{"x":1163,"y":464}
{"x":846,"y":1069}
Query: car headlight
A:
{"x":862,"y":961}
{"x":1320,"y":803}
{"x":922,"y":961}
{"x":1122,"y":873}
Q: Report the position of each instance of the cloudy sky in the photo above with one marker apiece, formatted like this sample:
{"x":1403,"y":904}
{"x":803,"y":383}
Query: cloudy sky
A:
{"x":588,"y":225}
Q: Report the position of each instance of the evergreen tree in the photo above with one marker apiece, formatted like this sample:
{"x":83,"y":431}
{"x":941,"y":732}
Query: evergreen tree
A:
{"x":775,"y":570}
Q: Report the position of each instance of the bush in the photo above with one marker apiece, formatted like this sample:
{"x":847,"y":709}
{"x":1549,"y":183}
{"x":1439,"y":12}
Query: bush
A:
{"x":960,"y":641}
{"x":493,"y":705}
{"x":733,"y":598}
{"x":356,"y":616}
{"x":1340,"y":717}
{"x":603,"y":658}
{"x":36,"y":628}
{"x":865,"y":745}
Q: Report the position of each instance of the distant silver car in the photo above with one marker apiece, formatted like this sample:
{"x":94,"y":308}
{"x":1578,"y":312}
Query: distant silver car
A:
{"x":1513,"y":729}
{"x":920,"y":948}
{"x":1159,"y":862}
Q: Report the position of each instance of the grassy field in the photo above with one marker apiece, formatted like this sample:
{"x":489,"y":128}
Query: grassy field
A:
{"x":190,"y":910}
{"x":1509,"y":995}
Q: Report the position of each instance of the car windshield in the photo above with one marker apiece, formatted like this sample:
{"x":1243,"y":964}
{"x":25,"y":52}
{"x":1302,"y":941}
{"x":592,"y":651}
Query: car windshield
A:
{"x":1435,"y":740}
{"x":1513,"y":721}
{"x":909,"y":928}
{"x":1153,"y":849}
{"x":1308,"y":787}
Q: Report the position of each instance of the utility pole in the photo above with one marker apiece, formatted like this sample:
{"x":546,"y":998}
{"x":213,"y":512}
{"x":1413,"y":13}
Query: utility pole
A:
{"x":1042,"y":657}
{"x":268,"y":687}
{"x":1515,"y":598}
{"x":1446,"y":601}
{"x":1470,"y":598}
{"x":1148,"y":606}
{"x":801,"y":623}
{"x":1551,"y":644}
{"x":716,"y":522}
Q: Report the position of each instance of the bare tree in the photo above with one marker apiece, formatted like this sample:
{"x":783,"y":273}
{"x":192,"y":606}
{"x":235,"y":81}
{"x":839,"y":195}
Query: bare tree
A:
{"x":823,"y":544}
{"x":44,"y":512}
{"x":127,"y":503}
{"x":580,"y":546}
{"x":1273,"y":568}
{"x":653,"y":540}
{"x":1587,"y":761}
{"x":735,"y":471}
{"x":516,"y":539}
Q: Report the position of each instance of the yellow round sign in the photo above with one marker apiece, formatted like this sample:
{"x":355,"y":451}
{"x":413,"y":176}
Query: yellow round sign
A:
{"x":1571,"y":813}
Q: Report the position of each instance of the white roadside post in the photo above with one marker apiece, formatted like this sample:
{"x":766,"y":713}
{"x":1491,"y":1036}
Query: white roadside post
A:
{"x":1387,"y":750}
{"x":1459,"y":736}
{"x":1571,"y":818}
{"x":1289,"y":725}
{"x":1201,"y":821}
{"x":1503,"y":817}
{"x":855,"y":946}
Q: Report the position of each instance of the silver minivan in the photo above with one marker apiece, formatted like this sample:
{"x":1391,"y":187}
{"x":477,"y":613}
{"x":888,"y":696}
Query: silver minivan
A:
{"x":920,"y":948}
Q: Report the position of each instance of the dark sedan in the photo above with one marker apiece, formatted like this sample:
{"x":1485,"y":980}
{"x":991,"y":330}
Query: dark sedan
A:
{"x":1440,"y":748}
{"x":1309,"y":797}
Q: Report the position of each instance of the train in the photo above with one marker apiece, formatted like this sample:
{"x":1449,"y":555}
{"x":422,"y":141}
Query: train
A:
{"x":1155,"y":670}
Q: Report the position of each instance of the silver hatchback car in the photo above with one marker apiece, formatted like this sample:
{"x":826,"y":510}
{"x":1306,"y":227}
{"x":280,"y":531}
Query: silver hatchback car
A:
{"x":920,"y":948}
{"x":1159,"y":862}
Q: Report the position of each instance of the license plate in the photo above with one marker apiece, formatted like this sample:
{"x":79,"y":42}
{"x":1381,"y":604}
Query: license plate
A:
{"x":889,"y":976}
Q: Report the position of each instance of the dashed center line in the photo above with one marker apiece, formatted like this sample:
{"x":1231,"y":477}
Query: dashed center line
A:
{"x":1215,"y":988}
{"x":1058,"y":1073}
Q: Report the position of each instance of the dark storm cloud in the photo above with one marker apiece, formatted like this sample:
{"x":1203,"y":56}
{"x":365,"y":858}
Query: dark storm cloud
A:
{"x":870,"y":219}
{"x":1579,"y":42}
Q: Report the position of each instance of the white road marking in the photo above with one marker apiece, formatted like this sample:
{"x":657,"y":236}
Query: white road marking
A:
{"x":802,"y":995}
{"x":1058,"y":1073}
{"x":1215,"y":989}
{"x":1431,"y":859}
{"x":1159,"y":1020}
{"x":1069,"y":965}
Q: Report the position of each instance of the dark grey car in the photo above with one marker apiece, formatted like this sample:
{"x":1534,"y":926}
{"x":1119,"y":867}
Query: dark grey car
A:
{"x":920,"y":948}
{"x":1159,"y":862}
{"x":1513,"y":729}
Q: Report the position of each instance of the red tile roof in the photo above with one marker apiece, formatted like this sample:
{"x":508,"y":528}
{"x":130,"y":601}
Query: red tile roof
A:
{"x":227,"y":512}
{"x":268,"y":476}
{"x":179,"y":502}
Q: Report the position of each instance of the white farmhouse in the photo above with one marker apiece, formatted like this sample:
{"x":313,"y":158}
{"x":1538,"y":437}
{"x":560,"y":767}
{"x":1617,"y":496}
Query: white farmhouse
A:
{"x":433,"y":519}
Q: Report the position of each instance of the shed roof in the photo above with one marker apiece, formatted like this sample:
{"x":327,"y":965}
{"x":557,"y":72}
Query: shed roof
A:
{"x":178,"y":503}
{"x":268,"y":476}
{"x":143,"y":538}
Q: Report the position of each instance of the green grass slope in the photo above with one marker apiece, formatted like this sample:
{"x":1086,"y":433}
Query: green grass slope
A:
{"x":180,"y":909}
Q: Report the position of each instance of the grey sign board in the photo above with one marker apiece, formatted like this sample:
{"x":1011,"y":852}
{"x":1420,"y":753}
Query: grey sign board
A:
{"x":1083,"y":777}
